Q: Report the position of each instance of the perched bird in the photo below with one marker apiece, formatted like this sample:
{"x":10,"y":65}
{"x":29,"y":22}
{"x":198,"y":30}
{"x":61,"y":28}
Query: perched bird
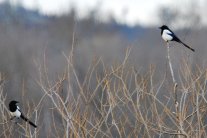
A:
{"x":16,"y":112}
{"x":168,"y":35}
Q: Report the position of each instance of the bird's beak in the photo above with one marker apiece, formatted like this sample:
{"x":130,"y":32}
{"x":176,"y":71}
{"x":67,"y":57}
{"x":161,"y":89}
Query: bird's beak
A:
{"x":159,"y":27}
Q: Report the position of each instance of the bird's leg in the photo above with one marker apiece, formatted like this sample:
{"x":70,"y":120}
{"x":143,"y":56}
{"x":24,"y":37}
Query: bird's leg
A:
{"x":16,"y":122}
{"x":12,"y":118}
{"x":168,"y":45}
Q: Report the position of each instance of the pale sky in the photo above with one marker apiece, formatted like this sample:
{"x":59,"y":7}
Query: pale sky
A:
{"x":130,"y":12}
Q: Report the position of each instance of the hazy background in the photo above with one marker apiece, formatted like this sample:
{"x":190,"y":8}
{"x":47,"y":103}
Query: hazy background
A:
{"x":28,"y":32}
{"x":31,"y":30}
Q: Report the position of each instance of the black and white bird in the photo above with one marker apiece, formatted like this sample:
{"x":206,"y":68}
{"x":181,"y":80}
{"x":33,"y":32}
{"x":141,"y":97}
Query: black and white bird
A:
{"x":168,"y":35}
{"x":16,"y":112}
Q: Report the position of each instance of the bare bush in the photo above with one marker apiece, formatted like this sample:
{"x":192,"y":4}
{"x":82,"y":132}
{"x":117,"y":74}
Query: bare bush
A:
{"x":116,"y":101}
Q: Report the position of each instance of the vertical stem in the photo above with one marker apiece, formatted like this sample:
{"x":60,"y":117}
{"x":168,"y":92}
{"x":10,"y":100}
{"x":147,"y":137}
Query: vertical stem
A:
{"x":174,"y":88}
{"x":173,"y":76}
{"x":170,"y":64}
{"x":198,"y":115}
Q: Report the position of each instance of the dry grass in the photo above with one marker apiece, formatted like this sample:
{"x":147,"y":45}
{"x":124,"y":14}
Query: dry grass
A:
{"x":115,"y":101}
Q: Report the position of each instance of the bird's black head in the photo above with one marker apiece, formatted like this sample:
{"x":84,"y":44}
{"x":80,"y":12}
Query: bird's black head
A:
{"x":163,"y":27}
{"x":13,"y":102}
{"x":13,"y":106}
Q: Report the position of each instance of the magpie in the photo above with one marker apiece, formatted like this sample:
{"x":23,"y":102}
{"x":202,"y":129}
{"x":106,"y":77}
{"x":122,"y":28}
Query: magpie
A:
{"x":16,"y":112}
{"x":168,"y":35}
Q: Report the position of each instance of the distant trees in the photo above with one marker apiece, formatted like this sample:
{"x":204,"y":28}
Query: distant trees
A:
{"x":183,"y":17}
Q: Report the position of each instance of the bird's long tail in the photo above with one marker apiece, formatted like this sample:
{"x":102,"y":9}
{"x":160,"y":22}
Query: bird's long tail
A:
{"x":188,"y":46}
{"x":27,"y":120}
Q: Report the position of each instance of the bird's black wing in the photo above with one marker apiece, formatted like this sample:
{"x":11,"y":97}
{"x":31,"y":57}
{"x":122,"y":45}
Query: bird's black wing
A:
{"x":175,"y":38}
{"x":27,"y":120}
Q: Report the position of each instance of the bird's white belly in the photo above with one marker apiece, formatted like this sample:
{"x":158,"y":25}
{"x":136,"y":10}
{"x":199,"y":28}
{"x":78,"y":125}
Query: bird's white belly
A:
{"x":17,"y":113}
{"x":166,"y":36}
